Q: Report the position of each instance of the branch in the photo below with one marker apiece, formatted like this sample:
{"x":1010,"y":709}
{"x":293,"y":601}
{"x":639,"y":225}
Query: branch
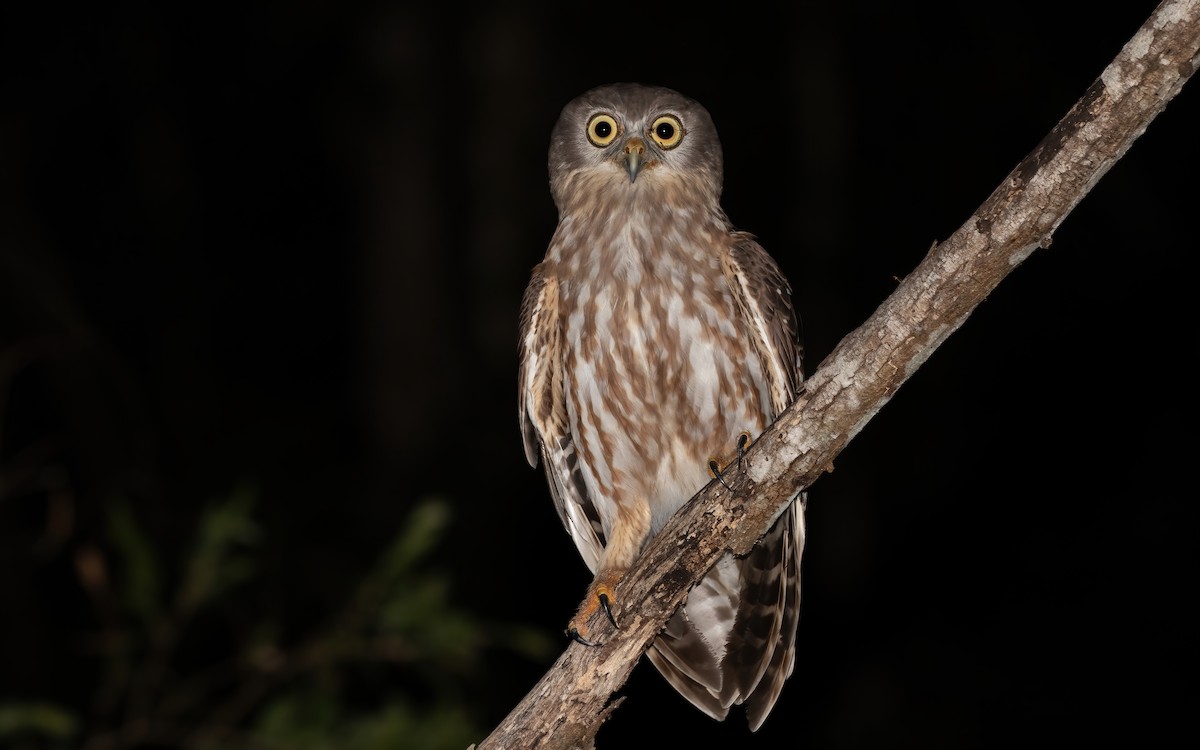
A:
{"x":567,"y":706}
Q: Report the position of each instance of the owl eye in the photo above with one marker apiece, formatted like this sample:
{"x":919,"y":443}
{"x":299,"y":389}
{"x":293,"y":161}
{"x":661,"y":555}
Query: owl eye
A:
{"x":601,"y":130}
{"x":667,"y":131}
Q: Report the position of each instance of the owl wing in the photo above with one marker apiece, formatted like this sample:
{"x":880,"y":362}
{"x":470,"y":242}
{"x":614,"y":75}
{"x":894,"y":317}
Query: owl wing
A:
{"x":762,"y":646}
{"x":542,"y":410}
{"x":765,"y":299}
{"x":712,"y":662}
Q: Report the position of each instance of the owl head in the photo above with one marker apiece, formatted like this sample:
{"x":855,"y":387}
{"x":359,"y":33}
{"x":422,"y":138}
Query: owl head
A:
{"x":634,"y":137}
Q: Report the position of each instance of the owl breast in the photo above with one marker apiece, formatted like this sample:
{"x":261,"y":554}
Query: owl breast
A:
{"x":666,"y":374}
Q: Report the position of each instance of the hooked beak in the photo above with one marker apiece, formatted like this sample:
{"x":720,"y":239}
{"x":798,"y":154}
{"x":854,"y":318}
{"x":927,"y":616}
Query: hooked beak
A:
{"x":634,"y":151}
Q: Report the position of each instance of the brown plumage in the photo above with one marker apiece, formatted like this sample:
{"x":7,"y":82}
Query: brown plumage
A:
{"x":652,"y":335}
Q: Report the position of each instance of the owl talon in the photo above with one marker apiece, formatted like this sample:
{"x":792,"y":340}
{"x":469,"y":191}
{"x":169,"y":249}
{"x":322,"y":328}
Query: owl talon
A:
{"x":600,"y":596}
{"x":714,"y":470}
{"x":575,"y":636}
{"x":743,"y":442}
{"x":607,"y":609}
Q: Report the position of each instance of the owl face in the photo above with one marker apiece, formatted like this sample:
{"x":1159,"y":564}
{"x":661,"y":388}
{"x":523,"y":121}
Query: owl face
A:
{"x":634,"y":137}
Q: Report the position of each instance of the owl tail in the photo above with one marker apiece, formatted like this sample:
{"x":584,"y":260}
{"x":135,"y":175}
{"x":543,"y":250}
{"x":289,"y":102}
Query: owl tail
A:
{"x":734,"y":642}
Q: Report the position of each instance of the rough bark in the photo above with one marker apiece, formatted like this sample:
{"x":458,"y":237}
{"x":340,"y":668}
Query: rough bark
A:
{"x":567,"y":706}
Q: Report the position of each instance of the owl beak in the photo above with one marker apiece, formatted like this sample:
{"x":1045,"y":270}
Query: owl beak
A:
{"x":634,"y":150}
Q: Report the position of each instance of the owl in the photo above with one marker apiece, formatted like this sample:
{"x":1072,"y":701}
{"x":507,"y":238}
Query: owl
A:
{"x":656,"y":341}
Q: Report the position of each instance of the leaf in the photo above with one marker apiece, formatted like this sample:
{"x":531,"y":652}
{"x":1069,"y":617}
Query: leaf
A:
{"x":141,"y":586}
{"x":421,"y":534}
{"x":41,"y":719}
{"x":312,"y":719}
{"x":218,"y":562}
{"x":395,"y":572}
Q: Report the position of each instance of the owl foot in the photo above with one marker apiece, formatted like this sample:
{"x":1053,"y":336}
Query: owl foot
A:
{"x":599,"y":596}
{"x":717,"y":471}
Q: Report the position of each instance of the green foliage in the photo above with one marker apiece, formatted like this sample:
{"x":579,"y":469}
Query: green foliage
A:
{"x":51,"y":723}
{"x":409,"y":604}
{"x":221,"y":560}
{"x":388,"y":671}
{"x":315,"y":720}
{"x":141,"y":586}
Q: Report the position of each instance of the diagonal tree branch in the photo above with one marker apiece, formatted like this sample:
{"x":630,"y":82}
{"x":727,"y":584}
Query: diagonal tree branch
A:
{"x":567,"y":706}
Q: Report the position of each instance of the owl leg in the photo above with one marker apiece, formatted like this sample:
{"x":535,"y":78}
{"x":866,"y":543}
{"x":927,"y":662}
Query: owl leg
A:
{"x":630,"y":528}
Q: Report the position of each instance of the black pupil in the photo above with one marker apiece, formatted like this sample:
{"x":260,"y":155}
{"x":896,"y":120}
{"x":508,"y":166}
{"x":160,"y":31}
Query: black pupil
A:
{"x":665,"y":130}
{"x":603,"y":129}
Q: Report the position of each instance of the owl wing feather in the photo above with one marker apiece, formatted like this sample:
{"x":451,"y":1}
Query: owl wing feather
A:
{"x":783,"y":659}
{"x":543,"y":415}
{"x":765,"y":299}
{"x":769,"y":611}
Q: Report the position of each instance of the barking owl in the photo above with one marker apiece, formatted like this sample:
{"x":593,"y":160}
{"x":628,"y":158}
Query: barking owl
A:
{"x":655,"y":341}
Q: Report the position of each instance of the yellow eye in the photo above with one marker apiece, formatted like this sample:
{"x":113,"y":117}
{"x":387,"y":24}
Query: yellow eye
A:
{"x":602,"y":130}
{"x":667,"y":131}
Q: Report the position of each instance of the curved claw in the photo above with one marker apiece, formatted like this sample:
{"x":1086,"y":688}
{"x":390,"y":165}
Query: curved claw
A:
{"x":575,"y":636}
{"x":714,"y":469}
{"x":743,"y":442}
{"x":608,"y":610}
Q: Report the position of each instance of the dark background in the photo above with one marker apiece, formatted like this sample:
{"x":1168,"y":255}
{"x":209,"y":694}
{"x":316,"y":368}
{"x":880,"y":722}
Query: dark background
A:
{"x":285,"y":244}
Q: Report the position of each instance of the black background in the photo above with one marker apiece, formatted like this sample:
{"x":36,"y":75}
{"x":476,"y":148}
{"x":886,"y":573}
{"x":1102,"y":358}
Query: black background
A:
{"x":287,"y":242}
